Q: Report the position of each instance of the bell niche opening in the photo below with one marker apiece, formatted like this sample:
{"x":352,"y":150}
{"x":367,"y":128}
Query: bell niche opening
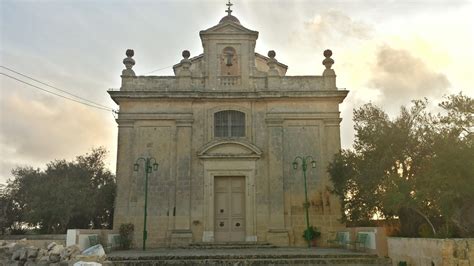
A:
{"x":229,"y":62}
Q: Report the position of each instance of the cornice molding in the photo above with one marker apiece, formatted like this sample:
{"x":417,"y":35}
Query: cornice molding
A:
{"x":205,"y":152}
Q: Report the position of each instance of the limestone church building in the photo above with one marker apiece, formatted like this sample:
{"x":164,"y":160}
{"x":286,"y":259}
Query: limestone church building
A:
{"x":225,"y":131}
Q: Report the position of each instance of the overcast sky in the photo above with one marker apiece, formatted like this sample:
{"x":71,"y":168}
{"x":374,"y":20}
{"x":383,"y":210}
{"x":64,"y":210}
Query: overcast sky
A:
{"x":385,"y":51}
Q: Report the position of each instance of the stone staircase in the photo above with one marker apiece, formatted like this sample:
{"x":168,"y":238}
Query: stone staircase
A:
{"x":242,"y":254}
{"x":230,"y":245}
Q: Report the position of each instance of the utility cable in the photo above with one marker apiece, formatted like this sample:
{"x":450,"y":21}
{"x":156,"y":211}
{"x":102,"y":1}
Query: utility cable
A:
{"x":56,"y":88}
{"x":59,"y":95}
{"x":157,"y":70}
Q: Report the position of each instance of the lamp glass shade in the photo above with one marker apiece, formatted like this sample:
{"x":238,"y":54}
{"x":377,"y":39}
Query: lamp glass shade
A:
{"x":135,"y":167}
{"x":155,"y":166}
{"x":295,"y":165}
{"x":313,"y":164}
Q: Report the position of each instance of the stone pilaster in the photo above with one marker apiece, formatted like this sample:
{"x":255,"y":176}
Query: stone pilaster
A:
{"x":124,"y":172}
{"x":181,"y":234}
{"x":333,"y":145}
{"x":277,"y":233}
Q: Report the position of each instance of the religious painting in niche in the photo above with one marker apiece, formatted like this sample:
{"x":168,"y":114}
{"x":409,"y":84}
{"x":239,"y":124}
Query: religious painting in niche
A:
{"x":229,"y":62}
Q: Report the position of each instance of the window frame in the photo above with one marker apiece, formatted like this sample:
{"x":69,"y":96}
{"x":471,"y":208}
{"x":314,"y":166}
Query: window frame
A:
{"x":232,"y":122}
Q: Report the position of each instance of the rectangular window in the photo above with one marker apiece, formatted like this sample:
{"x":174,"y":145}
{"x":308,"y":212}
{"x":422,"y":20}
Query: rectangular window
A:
{"x":229,"y":123}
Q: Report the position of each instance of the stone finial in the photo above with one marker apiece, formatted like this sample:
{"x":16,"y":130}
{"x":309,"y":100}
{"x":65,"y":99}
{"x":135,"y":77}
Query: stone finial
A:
{"x":271,"y":54}
{"x":272,"y":63}
{"x":328,"y":61}
{"x":185,"y":62}
{"x":184,"y":74}
{"x":129,"y":62}
{"x":273,"y":76}
{"x":328,"y":73}
{"x":186,"y":54}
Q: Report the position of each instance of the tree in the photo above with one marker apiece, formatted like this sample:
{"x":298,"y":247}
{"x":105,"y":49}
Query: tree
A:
{"x":448,"y":179}
{"x":75,"y":194}
{"x":416,"y":167}
{"x":10,"y":216}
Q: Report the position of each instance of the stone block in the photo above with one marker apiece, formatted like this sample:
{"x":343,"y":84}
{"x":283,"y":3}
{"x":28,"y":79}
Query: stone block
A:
{"x":181,"y":238}
{"x":278,"y":237}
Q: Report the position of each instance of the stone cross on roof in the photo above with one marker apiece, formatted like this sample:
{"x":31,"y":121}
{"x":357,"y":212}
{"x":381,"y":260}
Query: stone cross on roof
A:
{"x":229,"y":11}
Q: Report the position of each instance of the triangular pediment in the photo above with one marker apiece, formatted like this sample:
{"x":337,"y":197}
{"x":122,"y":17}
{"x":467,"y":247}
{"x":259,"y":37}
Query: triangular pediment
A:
{"x":229,"y":148}
{"x":228,"y":28}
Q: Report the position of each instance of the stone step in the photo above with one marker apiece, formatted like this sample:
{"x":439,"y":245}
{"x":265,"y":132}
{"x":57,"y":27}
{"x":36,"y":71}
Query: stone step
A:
{"x":259,"y":261}
{"x":238,"y":256}
{"x":263,"y":256}
{"x":230,"y":245}
{"x":254,"y":259}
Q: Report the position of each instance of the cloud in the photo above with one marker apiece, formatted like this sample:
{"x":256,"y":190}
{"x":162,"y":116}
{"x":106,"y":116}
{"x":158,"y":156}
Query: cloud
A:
{"x":334,"y":24}
{"x":36,"y":129}
{"x":400,"y":77}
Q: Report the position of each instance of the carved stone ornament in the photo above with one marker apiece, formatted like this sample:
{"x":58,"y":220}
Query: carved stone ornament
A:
{"x":328,"y":61}
{"x":185,"y":62}
{"x":129,"y":62}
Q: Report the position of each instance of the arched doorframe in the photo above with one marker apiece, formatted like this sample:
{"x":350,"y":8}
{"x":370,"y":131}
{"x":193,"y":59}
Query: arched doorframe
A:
{"x":229,"y":158}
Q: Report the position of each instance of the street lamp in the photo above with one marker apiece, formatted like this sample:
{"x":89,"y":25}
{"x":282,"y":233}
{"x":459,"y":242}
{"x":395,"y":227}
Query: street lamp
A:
{"x":304,"y":163}
{"x":150,"y":166}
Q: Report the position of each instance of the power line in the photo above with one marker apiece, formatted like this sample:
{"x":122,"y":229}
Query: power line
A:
{"x":56,"y":94}
{"x":56,"y":88}
{"x":157,"y":70}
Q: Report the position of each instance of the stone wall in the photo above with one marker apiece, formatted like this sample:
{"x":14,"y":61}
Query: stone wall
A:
{"x":35,"y":240}
{"x":171,"y":119}
{"x":377,"y":242}
{"x":171,"y":84}
{"x":431,"y":251}
{"x":180,"y":194}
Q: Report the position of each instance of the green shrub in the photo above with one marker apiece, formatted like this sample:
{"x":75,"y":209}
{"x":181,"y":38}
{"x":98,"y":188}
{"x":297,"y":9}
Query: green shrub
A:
{"x":126,"y":235}
{"x":311,"y":233}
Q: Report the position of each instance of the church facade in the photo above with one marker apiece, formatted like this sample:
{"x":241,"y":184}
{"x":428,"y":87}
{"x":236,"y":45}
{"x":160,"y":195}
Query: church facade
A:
{"x":225,"y":131}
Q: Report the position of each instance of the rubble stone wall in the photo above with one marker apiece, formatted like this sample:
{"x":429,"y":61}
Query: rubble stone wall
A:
{"x":35,"y":240}
{"x":431,"y":251}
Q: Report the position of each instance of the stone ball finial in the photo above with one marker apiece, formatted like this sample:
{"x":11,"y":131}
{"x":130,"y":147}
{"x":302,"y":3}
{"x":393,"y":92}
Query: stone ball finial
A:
{"x":129,"y":53}
{"x":129,"y":62}
{"x":271,"y":54}
{"x":328,"y":61}
{"x":186,"y":54}
{"x":327,"y":53}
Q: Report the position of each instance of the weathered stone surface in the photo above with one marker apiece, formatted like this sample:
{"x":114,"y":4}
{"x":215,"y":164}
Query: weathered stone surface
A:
{"x":16,"y":255}
{"x":32,"y":252}
{"x":70,"y":252}
{"x":44,"y":258}
{"x":57,"y":249}
{"x":251,"y":256}
{"x":51,"y":246}
{"x":173,"y":120}
{"x":23,"y":254}
{"x":53,"y":257}
{"x":88,"y":263}
{"x":3,"y":250}
{"x":429,"y":251}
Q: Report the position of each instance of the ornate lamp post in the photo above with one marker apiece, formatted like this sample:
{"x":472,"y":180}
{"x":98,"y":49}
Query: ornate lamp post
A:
{"x":304,"y":163}
{"x":150,"y":166}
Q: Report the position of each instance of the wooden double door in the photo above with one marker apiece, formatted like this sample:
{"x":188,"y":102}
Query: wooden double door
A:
{"x":229,"y":205}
